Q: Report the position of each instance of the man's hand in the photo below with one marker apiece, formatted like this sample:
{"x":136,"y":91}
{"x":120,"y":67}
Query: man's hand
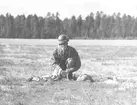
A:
{"x":70,"y":70}
{"x":64,"y":73}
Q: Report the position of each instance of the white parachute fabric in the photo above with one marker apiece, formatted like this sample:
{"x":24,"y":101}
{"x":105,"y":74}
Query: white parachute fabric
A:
{"x":56,"y":74}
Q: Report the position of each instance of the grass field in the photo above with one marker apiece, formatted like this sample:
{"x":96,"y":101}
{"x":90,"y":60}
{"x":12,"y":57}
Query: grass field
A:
{"x":21,"y":59}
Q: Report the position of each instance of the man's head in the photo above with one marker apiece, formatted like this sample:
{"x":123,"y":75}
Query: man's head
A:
{"x":63,"y":41}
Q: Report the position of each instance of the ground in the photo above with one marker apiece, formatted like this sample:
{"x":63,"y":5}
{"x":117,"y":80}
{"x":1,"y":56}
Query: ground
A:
{"x":19,"y":61}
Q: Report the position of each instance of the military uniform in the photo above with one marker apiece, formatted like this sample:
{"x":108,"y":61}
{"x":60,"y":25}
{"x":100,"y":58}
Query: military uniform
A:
{"x":67,"y":59}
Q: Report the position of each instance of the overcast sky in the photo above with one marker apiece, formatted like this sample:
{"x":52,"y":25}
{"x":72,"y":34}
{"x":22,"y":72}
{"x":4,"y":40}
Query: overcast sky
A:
{"x":67,"y":8}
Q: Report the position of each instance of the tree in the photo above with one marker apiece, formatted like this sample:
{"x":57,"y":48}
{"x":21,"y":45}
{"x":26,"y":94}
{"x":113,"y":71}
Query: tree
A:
{"x":2,"y":28}
{"x":72,"y":27}
{"x":97,"y":25}
{"x":35,"y":27}
{"x":59,"y":26}
{"x":79,"y":26}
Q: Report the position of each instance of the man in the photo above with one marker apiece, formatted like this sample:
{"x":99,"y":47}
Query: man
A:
{"x":65,"y":60}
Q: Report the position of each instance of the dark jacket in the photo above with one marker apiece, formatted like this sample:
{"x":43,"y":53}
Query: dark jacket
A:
{"x":60,"y":58}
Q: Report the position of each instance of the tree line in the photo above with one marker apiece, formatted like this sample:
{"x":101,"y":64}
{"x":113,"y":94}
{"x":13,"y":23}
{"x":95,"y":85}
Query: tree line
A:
{"x":94,"y":26}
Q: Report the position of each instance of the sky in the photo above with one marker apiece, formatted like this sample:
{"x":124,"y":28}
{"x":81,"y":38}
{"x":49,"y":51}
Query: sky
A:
{"x":68,"y":8}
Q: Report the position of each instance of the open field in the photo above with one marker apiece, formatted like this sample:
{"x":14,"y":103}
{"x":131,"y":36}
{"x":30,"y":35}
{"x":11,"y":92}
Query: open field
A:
{"x":21,"y":59}
{"x":72,"y":42}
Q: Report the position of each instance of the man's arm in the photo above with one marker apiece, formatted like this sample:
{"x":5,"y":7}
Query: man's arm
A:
{"x":55,"y":66}
{"x":54,"y":59}
{"x":77,"y":62}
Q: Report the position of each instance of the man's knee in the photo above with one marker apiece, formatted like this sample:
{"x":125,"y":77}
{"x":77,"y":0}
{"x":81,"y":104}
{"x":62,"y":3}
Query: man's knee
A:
{"x":70,"y":62}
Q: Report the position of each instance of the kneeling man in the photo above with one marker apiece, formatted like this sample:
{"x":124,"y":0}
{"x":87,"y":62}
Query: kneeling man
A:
{"x":65,"y":60}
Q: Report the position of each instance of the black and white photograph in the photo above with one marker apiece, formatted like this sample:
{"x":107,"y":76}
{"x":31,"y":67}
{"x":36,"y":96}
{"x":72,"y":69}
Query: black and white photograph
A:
{"x":68,"y":52}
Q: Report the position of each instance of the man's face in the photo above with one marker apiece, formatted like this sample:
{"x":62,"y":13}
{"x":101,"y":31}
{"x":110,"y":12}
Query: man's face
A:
{"x":63,"y":46}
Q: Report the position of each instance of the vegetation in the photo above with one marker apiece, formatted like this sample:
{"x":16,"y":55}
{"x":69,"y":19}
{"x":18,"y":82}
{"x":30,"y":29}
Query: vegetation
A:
{"x":94,"y":26}
{"x":18,"y":62}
